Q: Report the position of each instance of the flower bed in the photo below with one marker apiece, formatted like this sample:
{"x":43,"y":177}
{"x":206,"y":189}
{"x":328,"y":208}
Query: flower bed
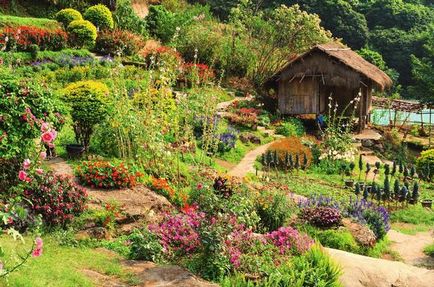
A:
{"x":28,"y":38}
{"x":104,"y":174}
{"x":55,"y":197}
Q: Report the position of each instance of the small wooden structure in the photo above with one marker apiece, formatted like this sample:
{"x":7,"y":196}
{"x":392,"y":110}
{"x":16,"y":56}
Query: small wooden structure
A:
{"x":305,"y":83}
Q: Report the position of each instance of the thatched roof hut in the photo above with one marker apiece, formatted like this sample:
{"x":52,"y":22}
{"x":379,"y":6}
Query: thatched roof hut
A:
{"x":306,"y":82}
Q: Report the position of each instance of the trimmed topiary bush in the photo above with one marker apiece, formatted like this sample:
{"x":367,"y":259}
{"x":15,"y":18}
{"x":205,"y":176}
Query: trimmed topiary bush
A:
{"x":425,"y":164}
{"x":88,"y":101}
{"x":66,"y":16}
{"x":82,"y":33}
{"x":100,"y":16}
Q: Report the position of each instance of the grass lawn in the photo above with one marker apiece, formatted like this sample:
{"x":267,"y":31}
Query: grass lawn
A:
{"x":61,"y":265}
{"x":13,"y":21}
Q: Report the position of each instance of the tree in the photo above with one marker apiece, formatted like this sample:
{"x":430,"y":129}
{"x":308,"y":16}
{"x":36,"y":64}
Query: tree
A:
{"x":423,"y":73}
{"x":276,"y":35}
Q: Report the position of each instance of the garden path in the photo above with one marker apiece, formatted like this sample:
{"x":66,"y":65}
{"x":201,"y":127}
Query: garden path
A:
{"x":248,"y":162}
{"x":363,"y":271}
{"x":410,"y":247}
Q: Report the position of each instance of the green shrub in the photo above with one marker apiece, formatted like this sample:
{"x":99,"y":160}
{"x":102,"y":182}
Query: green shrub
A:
{"x":88,"y":101}
{"x":82,"y":33}
{"x":312,"y":269}
{"x":100,"y":16}
{"x":334,"y":238}
{"x":425,"y":163}
{"x":144,"y":245}
{"x":429,"y":250}
{"x":127,"y":19}
{"x":66,"y":16}
{"x":274,"y":210}
{"x":291,"y":127}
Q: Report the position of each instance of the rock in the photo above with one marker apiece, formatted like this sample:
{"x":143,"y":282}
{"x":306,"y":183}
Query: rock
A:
{"x":378,"y":147}
{"x":367,"y":143}
{"x":93,"y":233}
{"x":363,"y":271}
{"x":363,"y":235}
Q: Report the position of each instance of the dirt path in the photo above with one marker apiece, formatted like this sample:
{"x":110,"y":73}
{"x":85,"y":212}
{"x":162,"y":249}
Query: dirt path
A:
{"x":60,"y":167}
{"x":362,"y":271}
{"x":410,"y":247}
{"x":247,"y":163}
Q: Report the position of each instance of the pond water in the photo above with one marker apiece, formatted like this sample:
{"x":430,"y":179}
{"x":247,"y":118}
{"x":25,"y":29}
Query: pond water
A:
{"x":383,"y":116}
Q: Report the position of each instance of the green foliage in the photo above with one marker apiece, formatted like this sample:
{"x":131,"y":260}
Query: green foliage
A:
{"x":274,"y":210}
{"x":278,"y":33}
{"x":413,"y":214}
{"x":100,"y":16}
{"x":144,"y":245}
{"x":82,"y":33}
{"x":429,"y":250}
{"x":425,"y":163}
{"x":312,"y":269}
{"x":291,"y":127}
{"x":66,"y":16}
{"x":13,"y":21}
{"x":126,"y":18}
{"x":89,"y":106}
{"x":335,"y":238}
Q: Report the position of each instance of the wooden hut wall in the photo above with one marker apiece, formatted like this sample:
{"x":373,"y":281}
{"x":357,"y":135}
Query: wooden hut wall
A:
{"x":299,"y":96}
{"x":335,"y":73}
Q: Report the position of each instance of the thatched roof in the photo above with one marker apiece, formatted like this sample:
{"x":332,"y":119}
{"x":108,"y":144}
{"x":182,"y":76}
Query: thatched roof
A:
{"x":347,"y":57}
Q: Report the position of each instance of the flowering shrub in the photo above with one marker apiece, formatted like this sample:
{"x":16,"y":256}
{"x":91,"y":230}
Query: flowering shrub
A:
{"x":25,"y":111}
{"x":290,"y":241}
{"x":365,"y":212}
{"x":274,"y":210}
{"x":104,"y":174}
{"x":291,"y":153}
{"x":322,"y":216}
{"x":196,"y":73}
{"x":178,"y":233}
{"x":118,"y":42}
{"x":55,"y":197}
{"x":23,"y":38}
{"x":376,"y":217}
{"x":227,"y":141}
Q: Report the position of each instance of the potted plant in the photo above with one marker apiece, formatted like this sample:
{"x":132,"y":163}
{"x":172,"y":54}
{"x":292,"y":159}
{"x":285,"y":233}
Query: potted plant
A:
{"x":89,"y":107}
{"x":427,"y":203}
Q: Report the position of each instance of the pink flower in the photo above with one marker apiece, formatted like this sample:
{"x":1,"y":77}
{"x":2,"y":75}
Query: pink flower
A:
{"x":44,"y":127}
{"x":43,"y":155}
{"x":54,"y":133}
{"x":39,"y":243}
{"x":37,"y":252}
{"x":51,"y":145}
{"x":39,"y":171}
{"x":47,"y":137}
{"x":26,"y":164}
{"x":22,"y":175}
{"x":199,"y":186}
{"x":38,"y":247}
